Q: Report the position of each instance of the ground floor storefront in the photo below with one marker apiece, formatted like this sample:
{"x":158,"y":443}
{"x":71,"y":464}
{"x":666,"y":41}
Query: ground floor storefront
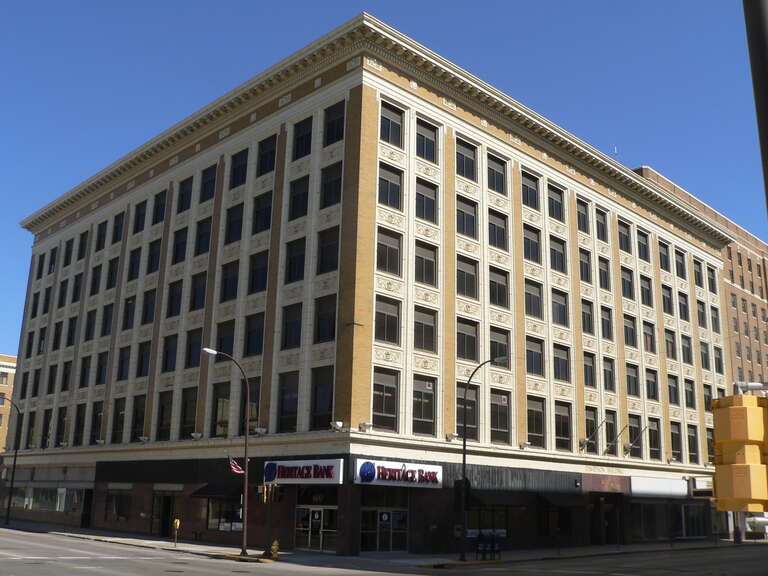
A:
{"x":355,"y":504}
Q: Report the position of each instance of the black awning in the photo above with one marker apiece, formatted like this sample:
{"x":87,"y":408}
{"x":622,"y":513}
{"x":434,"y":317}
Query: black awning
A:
{"x":218,"y":490}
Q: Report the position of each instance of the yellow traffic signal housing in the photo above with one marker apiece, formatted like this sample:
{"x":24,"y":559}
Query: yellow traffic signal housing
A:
{"x":741,"y":453}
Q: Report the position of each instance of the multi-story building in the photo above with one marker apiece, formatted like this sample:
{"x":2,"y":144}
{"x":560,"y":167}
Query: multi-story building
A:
{"x":7,"y":370}
{"x":362,"y":225}
{"x":744,"y":288}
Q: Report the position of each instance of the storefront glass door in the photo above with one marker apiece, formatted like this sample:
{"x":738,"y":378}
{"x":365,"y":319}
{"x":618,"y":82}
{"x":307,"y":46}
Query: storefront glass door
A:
{"x":383,"y":530}
{"x":316,"y":528}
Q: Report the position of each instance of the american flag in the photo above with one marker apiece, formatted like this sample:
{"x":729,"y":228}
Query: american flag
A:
{"x":235,"y":467}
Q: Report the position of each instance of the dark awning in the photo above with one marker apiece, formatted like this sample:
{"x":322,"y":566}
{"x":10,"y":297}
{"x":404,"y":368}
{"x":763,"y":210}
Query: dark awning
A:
{"x":218,"y":490}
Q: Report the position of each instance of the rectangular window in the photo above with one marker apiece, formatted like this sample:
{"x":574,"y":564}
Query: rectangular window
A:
{"x":635,"y":436}
{"x":325,"y":319}
{"x":95,"y":280}
{"x":258,"y":266}
{"x":254,"y":334}
{"x":153,"y":256}
{"x":388,"y":250}
{"x":321,"y":410}
{"x":701,"y":313}
{"x":302,"y":138}
{"x":531,"y":244}
{"x":137,"y":420}
{"x":175,"y":290}
{"x":194,"y":346}
{"x":117,"y":235}
{"x":499,"y":347}
{"x":630,"y":331}
{"x":534,"y":356}
{"x":466,"y":339}
{"x":424,"y":405}
{"x":265,"y":162}
{"x":330,"y":185}
{"x":170,"y":346}
{"x":646,"y":291}
{"x":698,"y":273}
{"x":590,"y":443}
{"x":391,"y":126}
{"x":148,"y":307}
{"x":627,"y":283}
{"x":142,"y":360}
{"x":225,"y":338}
{"x":633,"y":386}
{"x":390,"y":183}
{"x":238,"y":171}
{"x":179,"y":250}
{"x":426,"y":200}
{"x":426,"y":263}
{"x":466,"y":217}
{"x":233,"y":227}
{"x":499,"y":287}
{"x":197,"y":292}
{"x":654,"y":439}
{"x":184,"y":197}
{"x":68,"y":249}
{"x":563,"y":426}
{"x":85,"y":375}
{"x":424,"y":329}
{"x":298,"y":198}
{"x":719,"y":359}
{"x":651,"y":385}
{"x":112,"y":267}
{"x":705,"y":356}
{"x":164,"y":406}
{"x":604,"y":273}
{"x":188,"y":412}
{"x":611,"y":437}
{"x":557,"y":255}
{"x":686,"y":347}
{"x":561,"y":363}
{"x":118,"y":421}
{"x":643,"y":247}
{"x":158,"y":208}
{"x":690,"y":393}
{"x":385,"y":399}
{"x":649,"y":337}
{"x":693,"y":444}
{"x":90,"y":325}
{"x":497,"y":175}
{"x":536,"y":422}
{"x":585,"y":266}
{"x":220,"y":410}
{"x":101,"y":236}
{"x":587,"y":317}
{"x":466,"y":155}
{"x":674,"y":390}
{"x":387,"y":320}
{"x":710,"y":446}
{"x":262,"y":213}
{"x":497,"y":230}
{"x":291,"y":337}
{"x":294,"y":259}
{"x":134,"y":264}
{"x":682,"y":304}
{"x":203,"y":236}
{"x":589,"y":370}
{"x":533,"y":299}
{"x":426,"y":141}
{"x":666,"y":299}
{"x":601,"y":225}
{"x":466,"y":277}
{"x":676,"y":441}
{"x":712,"y":279}
{"x":82,"y":245}
{"x":230,"y":275}
{"x":625,"y":237}
{"x":606,"y":323}
{"x":500,"y":416}
{"x":555,"y":201}
{"x":333,"y":124}
{"x":680,"y":264}
{"x":328,"y":250}
{"x":664,"y":256}
{"x":582,"y":216}
{"x":560,"y":308}
{"x":530,"y":191}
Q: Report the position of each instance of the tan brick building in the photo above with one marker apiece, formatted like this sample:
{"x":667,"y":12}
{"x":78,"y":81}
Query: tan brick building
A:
{"x":363,"y":224}
{"x":7,"y":371}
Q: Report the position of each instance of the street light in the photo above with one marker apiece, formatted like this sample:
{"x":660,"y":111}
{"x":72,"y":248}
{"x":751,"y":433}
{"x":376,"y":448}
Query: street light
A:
{"x":463,"y":553}
{"x":13,"y":468}
{"x":246,"y":418}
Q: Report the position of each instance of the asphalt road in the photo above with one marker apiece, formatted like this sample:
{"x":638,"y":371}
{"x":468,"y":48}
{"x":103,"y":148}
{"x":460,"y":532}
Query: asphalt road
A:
{"x":34,"y":554}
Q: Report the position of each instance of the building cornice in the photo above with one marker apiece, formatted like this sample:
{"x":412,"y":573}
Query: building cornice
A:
{"x":365,"y":29}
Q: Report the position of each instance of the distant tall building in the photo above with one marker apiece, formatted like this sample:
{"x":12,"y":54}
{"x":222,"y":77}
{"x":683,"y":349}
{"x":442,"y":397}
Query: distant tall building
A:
{"x":7,"y":371}
{"x":362,"y":225}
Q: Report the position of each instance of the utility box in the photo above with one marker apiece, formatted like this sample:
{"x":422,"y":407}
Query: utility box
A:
{"x":741,"y":451}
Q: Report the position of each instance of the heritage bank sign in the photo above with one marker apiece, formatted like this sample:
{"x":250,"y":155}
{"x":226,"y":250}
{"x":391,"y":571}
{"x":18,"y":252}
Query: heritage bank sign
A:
{"x":388,"y":473}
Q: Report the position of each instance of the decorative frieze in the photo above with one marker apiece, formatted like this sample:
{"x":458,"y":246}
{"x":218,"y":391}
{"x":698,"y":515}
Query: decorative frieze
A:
{"x":386,"y":355}
{"x":389,"y":285}
{"x":391,"y":155}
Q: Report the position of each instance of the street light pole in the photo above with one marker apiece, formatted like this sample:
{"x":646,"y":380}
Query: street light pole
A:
{"x":246,"y":418}
{"x":13,"y":468}
{"x":463,"y":553}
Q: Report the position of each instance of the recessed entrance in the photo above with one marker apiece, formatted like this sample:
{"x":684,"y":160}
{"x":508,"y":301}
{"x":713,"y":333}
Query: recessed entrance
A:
{"x":383,"y":529}
{"x":316,"y":528}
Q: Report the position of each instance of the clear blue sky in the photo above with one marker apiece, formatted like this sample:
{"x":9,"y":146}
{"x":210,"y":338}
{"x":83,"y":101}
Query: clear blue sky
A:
{"x":84,"y":82}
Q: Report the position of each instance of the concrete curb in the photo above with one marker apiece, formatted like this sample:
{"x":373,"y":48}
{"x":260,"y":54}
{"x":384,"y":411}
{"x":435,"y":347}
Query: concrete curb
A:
{"x":458,"y":564}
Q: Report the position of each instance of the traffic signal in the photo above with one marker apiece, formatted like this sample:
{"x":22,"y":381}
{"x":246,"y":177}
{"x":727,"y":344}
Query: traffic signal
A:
{"x":741,"y":453}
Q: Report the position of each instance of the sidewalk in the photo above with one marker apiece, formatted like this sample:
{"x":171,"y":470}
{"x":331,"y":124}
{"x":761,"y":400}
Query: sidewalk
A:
{"x":379,"y":558}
